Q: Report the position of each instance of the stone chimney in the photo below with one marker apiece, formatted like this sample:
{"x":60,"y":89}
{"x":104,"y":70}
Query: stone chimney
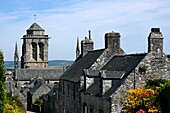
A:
{"x":86,"y":45}
{"x":155,"y":42}
{"x":112,"y":42}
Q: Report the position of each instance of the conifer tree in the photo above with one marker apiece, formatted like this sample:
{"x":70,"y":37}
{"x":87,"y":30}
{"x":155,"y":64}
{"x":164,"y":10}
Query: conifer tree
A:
{"x":2,"y":83}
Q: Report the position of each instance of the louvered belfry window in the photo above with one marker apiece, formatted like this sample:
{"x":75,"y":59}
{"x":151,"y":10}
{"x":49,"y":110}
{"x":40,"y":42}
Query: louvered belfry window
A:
{"x":41,"y":51}
{"x":34,"y":50}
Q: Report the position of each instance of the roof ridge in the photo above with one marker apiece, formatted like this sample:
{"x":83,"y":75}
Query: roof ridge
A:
{"x":133,"y":54}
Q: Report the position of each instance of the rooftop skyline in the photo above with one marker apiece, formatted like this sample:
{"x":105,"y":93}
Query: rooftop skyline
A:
{"x":64,"y":21}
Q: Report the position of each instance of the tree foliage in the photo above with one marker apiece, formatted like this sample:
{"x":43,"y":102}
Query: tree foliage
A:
{"x":141,"y":99}
{"x":153,"y":98}
{"x":2,"y":83}
{"x":13,"y":105}
{"x":39,"y":101}
{"x":10,"y":104}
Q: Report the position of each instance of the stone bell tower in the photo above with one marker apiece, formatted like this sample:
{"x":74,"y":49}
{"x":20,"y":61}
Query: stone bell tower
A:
{"x":35,"y":48}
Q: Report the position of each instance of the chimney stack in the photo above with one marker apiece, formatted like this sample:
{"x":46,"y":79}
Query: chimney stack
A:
{"x":86,"y":44}
{"x":155,"y":42}
{"x":112,"y":42}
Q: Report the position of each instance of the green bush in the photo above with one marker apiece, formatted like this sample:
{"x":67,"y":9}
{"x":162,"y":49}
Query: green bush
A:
{"x":39,"y":101}
{"x":13,"y":105}
{"x":164,"y":91}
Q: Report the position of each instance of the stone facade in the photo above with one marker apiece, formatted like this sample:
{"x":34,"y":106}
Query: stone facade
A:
{"x":94,"y":104}
{"x":35,"y":48}
{"x":39,"y":88}
{"x":69,"y":101}
{"x":101,"y":84}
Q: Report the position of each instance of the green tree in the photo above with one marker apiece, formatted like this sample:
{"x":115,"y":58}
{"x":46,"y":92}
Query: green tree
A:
{"x":2,"y":83}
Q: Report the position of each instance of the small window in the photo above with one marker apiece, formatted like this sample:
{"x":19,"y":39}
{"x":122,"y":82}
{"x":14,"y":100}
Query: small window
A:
{"x":63,"y":89}
{"x":64,"y":110}
{"x":85,"y":110}
{"x":91,"y":110}
{"x":74,"y":91}
{"x":68,"y":90}
{"x":101,"y":111}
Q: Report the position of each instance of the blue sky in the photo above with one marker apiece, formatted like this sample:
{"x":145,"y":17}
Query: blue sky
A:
{"x":65,"y":20}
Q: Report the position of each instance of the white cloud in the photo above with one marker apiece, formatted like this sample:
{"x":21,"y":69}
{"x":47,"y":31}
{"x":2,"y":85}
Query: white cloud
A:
{"x":133,"y":19}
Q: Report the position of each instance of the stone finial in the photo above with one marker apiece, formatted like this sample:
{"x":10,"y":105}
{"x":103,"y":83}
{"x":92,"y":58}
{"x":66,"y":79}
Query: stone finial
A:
{"x":16,"y":56}
{"x":77,"y":48}
{"x":89,"y":35}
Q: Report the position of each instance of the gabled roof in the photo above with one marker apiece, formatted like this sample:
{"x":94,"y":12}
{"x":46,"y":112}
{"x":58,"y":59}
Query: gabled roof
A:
{"x":75,"y":71}
{"x":40,"y":83}
{"x":124,"y":62}
{"x":116,"y":69}
{"x":36,"y":86}
{"x":35,"y":27}
{"x":47,"y":74}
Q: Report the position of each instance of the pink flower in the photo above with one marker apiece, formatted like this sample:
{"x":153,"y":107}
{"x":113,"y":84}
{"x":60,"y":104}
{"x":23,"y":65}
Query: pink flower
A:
{"x":141,"y":111}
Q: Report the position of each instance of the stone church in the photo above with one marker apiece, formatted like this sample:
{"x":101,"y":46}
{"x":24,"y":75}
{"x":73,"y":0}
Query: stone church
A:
{"x":34,"y":78}
{"x":96,"y":81}
{"x":34,"y":59}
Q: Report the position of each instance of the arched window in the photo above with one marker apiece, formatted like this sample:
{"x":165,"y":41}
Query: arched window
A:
{"x":34,"y":50}
{"x":41,"y":51}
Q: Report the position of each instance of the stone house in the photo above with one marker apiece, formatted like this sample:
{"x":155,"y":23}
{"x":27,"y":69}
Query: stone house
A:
{"x":95,"y":82}
{"x":40,"y":88}
{"x":50,"y":100}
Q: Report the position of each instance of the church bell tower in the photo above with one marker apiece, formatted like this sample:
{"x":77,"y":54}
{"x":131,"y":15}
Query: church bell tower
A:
{"x":35,"y":48}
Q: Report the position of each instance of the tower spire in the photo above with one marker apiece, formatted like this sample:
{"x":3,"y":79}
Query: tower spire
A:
{"x":16,"y":57}
{"x":77,"y":48}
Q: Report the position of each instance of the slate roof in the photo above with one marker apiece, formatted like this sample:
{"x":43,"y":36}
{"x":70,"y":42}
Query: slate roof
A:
{"x":125,"y":63}
{"x":105,"y":74}
{"x":40,"y":83}
{"x":93,"y":89}
{"x":36,"y":86}
{"x":54,"y":89}
{"x":35,"y":27}
{"x":47,"y":74}
{"x":74,"y":72}
{"x":117,"y":69}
